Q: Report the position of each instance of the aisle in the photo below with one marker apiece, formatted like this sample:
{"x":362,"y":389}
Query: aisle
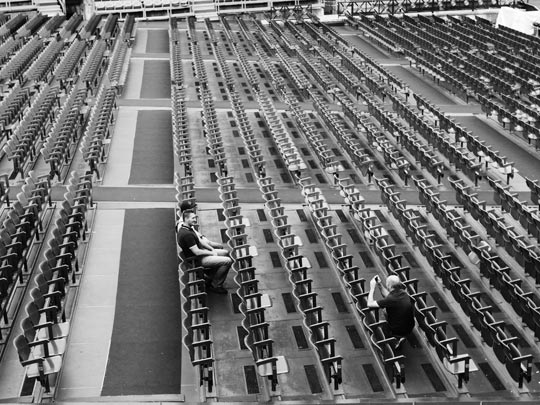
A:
{"x":145,"y":353}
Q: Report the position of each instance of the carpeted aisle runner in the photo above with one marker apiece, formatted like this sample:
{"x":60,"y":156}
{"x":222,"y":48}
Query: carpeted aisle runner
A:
{"x":158,"y":41}
{"x":144,"y":356}
{"x":153,"y":157}
{"x":156,"y":80}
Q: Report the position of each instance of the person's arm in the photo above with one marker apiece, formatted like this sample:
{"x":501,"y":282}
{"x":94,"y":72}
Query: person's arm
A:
{"x":207,"y":243}
{"x":197,"y":251}
{"x":371,"y":303}
{"x":214,"y":245}
{"x":382,"y":288}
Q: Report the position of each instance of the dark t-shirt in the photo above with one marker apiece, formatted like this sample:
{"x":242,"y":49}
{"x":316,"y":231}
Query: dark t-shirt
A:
{"x":399,"y":310}
{"x":186,"y":239}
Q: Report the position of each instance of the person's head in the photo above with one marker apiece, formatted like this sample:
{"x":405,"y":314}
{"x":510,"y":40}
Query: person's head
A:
{"x":393,"y":283}
{"x":189,"y":217}
{"x":188,"y":205}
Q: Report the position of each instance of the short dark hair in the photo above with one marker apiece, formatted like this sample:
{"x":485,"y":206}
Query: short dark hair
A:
{"x":188,"y":205}
{"x":186,"y":214}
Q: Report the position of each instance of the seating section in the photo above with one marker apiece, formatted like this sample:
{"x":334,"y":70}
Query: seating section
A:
{"x":96,"y":140}
{"x":23,"y":147}
{"x":252,"y":306}
{"x":22,"y":224}
{"x":14,"y":69}
{"x":12,"y":25}
{"x":45,"y":329}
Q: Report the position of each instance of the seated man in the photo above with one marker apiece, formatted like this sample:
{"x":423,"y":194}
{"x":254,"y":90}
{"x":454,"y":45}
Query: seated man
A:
{"x":398,"y":304}
{"x":190,"y":205}
{"x":215,"y":262}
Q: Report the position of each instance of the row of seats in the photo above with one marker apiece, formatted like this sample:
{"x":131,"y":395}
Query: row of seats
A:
{"x":72,"y":61}
{"x":197,"y":338}
{"x":20,"y":229}
{"x":39,"y":71}
{"x":404,"y":138}
{"x":320,"y":334}
{"x":218,"y":53}
{"x":23,"y":147}
{"x":380,"y":335}
{"x":177,"y":73}
{"x":351,"y":141}
{"x":13,"y":107}
{"x":313,"y":65}
{"x":96,"y":140}
{"x":95,"y":66}
{"x":442,"y":141}
{"x":110,"y":27}
{"x":17,"y":65}
{"x":9,"y":47}
{"x":534,"y":186}
{"x":246,"y":131}
{"x":325,"y":155}
{"x":494,"y":333}
{"x":116,"y":65}
{"x":52,"y":25}
{"x":286,"y":147}
{"x":298,"y":78}
{"x":458,"y":132}
{"x":45,"y":329}
{"x":71,"y":26}
{"x":297,"y":266}
{"x":520,"y":211}
{"x":519,"y":125}
{"x":181,"y":138}
{"x":127,"y":29}
{"x":261,"y":34}
{"x":505,"y":234}
{"x":198,"y":63}
{"x":343,"y":47}
{"x":12,"y":25}
{"x":253,"y":303}
{"x":91,"y":27}
{"x":60,"y":145}
{"x":31,"y":26}
{"x":197,"y":323}
{"x":264,"y":58}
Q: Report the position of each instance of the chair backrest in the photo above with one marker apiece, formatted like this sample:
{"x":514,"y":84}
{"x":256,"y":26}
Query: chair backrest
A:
{"x":32,"y":310}
{"x":53,"y":250}
{"x":23,"y":349}
{"x":27,"y":329}
{"x":38,"y":297}
{"x":41,"y":283}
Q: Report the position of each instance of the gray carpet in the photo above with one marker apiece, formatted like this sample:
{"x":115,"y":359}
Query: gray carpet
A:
{"x":157,"y":42}
{"x":153,"y":157}
{"x":156,"y":81}
{"x":146,"y":344}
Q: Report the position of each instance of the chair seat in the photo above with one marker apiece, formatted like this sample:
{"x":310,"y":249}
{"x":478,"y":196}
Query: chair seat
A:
{"x":56,"y":347}
{"x":59,"y":330}
{"x":51,"y":365}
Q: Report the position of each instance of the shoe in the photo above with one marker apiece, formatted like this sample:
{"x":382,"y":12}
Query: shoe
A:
{"x":217,"y":290}
{"x":399,"y":343}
